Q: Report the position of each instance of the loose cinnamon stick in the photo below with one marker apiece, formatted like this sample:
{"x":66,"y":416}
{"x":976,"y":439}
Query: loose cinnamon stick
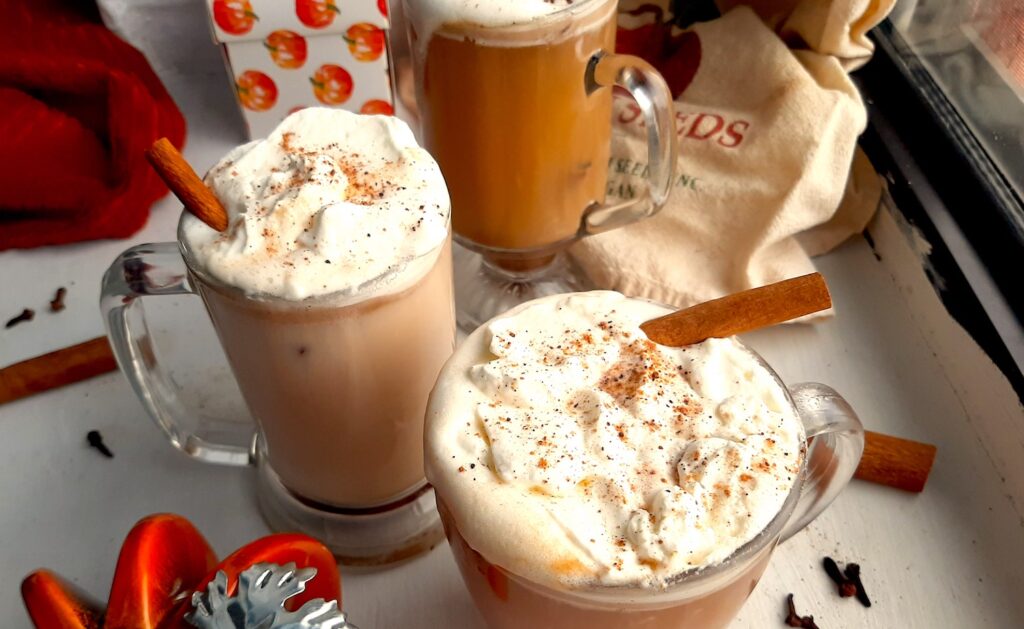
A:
{"x":186,"y":184}
{"x":56,"y":369}
{"x":895,"y":462}
{"x":741,"y":312}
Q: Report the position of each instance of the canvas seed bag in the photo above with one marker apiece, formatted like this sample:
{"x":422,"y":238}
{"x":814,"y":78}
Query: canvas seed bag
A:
{"x":768,"y":171}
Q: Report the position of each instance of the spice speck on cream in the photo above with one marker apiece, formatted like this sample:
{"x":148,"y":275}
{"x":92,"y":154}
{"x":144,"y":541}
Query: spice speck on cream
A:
{"x":330,"y":203}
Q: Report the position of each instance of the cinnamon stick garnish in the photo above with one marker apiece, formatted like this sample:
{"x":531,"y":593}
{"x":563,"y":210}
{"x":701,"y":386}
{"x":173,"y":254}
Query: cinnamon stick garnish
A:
{"x":890,"y":461}
{"x":186,"y":184}
{"x":895,"y":462}
{"x":56,"y":369}
{"x":741,"y":312}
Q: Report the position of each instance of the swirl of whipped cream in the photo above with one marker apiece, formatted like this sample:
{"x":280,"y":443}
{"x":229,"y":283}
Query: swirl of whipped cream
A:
{"x":330,"y":203}
{"x":574,"y":451}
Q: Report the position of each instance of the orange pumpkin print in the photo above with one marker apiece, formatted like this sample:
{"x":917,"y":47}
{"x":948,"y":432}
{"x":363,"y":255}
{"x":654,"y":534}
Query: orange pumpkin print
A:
{"x":332,"y":85}
{"x":287,"y":49}
{"x":365,"y":41}
{"x":256,"y":91}
{"x":377,"y":106}
{"x":316,"y":13}
{"x":163,"y":560}
{"x":234,"y":16}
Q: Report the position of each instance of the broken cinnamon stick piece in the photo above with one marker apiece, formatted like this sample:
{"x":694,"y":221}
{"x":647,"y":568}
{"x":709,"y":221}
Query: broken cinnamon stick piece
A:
{"x":741,"y":312}
{"x":899,"y":463}
{"x":186,"y":184}
{"x":56,"y":369}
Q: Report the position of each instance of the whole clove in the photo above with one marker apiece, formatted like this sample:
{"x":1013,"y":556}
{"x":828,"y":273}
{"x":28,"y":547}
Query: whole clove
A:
{"x":847,"y":588}
{"x":26,"y":315}
{"x":95,"y":440}
{"x":852,"y":573}
{"x":848,"y":581}
{"x":57,"y":304}
{"x":794,"y":619}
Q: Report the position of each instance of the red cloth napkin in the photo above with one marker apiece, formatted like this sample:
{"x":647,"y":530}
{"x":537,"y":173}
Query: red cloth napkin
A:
{"x":78,"y":108}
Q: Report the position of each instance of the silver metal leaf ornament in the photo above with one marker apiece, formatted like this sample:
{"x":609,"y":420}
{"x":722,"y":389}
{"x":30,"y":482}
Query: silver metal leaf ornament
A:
{"x":263,"y":590}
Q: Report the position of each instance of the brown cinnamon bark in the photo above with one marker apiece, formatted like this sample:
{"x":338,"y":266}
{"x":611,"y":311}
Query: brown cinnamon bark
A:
{"x":741,"y":312}
{"x":895,"y":462}
{"x":186,"y":184}
{"x":56,"y":369}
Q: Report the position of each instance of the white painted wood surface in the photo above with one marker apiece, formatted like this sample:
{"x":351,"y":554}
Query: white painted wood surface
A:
{"x":950,"y":557}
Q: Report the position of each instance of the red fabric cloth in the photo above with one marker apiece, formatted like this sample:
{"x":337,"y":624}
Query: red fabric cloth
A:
{"x":78,"y":108}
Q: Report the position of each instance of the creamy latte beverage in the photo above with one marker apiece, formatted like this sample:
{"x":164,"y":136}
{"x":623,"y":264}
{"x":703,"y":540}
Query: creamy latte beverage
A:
{"x":584,"y":472}
{"x":331,"y":293}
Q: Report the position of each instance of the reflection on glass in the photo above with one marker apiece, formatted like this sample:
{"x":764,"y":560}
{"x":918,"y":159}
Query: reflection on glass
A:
{"x":975,"y":53}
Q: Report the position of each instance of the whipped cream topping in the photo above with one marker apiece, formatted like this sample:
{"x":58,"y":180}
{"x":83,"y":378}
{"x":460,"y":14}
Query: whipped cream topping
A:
{"x":574,"y":451}
{"x":330,"y":203}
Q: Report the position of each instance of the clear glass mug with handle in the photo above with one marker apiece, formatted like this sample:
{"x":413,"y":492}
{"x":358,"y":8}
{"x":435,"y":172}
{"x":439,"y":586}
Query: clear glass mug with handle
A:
{"x":707,"y":597}
{"x":519,"y":118}
{"x":336,"y":386}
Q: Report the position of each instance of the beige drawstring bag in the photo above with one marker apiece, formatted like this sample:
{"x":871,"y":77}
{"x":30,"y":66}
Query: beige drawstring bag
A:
{"x":768,"y":169}
{"x":837,"y":28}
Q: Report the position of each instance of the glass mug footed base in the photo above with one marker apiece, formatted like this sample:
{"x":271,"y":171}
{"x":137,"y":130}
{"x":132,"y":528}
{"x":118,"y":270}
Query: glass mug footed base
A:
{"x":361,"y":538}
{"x":484,"y":290}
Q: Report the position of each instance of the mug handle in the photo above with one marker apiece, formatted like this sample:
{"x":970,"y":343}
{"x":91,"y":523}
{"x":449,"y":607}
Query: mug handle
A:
{"x":836,"y":441}
{"x":652,"y":95}
{"x":158,"y":269}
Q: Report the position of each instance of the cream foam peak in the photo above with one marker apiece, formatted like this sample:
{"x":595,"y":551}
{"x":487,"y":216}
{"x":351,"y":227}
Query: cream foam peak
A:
{"x":330,"y":203}
{"x":575,"y":452}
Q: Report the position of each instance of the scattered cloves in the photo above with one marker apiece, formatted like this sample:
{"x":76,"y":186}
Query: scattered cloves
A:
{"x":95,"y":440}
{"x":26,"y":315}
{"x":794,"y":619}
{"x":58,"y":300}
{"x":848,"y":583}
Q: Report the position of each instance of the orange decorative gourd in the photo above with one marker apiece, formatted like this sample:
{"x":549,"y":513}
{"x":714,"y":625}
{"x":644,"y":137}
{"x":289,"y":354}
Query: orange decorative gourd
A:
{"x":163,"y":561}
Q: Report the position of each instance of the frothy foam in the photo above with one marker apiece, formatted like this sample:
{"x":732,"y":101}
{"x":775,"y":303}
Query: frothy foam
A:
{"x":573,"y":450}
{"x":330,"y":203}
{"x":488,"y":12}
{"x":431,"y":16}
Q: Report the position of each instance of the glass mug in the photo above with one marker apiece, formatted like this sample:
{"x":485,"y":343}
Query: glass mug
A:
{"x":337,"y":390}
{"x":702,"y":598}
{"x":519,"y":119}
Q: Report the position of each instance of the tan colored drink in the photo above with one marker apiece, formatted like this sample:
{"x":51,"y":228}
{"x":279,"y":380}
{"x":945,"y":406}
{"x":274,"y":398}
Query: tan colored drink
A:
{"x":339,"y":392}
{"x":331,"y":293}
{"x":509,"y":602}
{"x":522,"y":144}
